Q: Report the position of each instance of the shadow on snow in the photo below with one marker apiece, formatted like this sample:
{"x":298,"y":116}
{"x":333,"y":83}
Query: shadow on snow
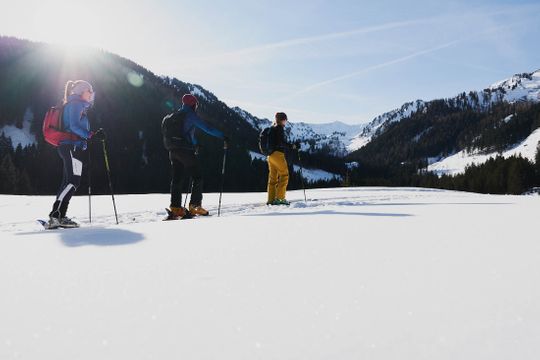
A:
{"x":94,"y":236}
{"x":330,"y":212}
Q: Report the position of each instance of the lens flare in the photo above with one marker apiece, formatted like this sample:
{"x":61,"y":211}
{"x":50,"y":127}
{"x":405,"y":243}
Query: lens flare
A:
{"x":169,"y":104}
{"x":135,"y":79}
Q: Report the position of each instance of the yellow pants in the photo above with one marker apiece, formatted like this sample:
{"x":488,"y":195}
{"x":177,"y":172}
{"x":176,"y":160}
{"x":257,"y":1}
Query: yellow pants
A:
{"x":278,"y":176}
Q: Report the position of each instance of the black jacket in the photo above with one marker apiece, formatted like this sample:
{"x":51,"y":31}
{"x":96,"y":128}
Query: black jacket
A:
{"x":278,"y":142}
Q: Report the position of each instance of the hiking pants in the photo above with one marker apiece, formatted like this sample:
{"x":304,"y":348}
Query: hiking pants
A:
{"x":184,"y":163}
{"x":71,"y":178}
{"x":278,"y":176}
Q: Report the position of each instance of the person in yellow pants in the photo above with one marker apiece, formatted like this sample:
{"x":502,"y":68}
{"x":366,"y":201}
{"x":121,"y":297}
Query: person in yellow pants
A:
{"x":278,"y":170}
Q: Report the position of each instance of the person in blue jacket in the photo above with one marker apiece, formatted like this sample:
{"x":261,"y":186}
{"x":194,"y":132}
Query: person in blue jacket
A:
{"x":78,"y":97}
{"x":179,"y":138}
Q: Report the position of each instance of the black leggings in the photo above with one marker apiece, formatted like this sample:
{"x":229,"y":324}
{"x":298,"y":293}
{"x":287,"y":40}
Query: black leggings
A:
{"x":185,"y":163}
{"x":71,"y":179}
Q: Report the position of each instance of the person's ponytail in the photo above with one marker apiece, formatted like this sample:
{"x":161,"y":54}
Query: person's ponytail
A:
{"x":67,"y":91}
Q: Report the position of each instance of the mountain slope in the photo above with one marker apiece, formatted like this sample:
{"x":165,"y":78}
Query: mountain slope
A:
{"x":487,"y":122}
{"x":458,"y":163}
{"x":518,"y":88}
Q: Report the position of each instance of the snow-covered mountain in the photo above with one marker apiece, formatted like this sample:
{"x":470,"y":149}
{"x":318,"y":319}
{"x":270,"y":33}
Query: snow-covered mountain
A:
{"x":341,"y":139}
{"x":255,"y":122}
{"x":520,"y":87}
{"x":334,"y":137}
{"x":381,"y":122}
{"x":20,"y":136}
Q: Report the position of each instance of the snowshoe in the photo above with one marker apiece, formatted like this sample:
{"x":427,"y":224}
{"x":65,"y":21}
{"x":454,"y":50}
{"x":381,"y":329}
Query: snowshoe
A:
{"x":177,"y":214}
{"x":279,"y":202}
{"x":49,"y":225}
{"x":56,"y":223}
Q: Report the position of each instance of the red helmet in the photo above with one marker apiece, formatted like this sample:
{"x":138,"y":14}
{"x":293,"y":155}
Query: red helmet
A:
{"x":189,"y":100}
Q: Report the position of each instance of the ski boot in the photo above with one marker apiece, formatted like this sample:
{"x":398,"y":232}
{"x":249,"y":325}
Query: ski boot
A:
{"x":198,"y":210}
{"x":54,"y":223}
{"x":67,"y":223}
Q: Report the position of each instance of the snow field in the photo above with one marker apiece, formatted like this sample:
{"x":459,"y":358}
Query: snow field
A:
{"x":457,"y":163}
{"x":377,"y":273}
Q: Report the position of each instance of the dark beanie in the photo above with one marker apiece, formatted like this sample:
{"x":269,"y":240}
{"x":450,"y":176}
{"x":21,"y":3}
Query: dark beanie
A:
{"x":189,"y":100}
{"x":281,"y":116}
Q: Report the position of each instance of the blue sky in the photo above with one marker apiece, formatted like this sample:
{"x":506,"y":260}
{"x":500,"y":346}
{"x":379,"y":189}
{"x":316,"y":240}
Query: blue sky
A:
{"x":319,"y":61}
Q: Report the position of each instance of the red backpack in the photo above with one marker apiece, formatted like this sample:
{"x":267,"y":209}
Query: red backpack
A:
{"x":53,"y":127}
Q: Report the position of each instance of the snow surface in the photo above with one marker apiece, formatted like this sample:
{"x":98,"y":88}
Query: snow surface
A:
{"x":314,"y":175}
{"x":336,"y":136}
{"x":23,"y":136}
{"x":198,"y":92}
{"x":353,"y":273}
{"x":457,"y":163}
{"x":508,"y":118}
{"x":256,"y":156}
{"x":358,"y":142}
{"x":521,"y":87}
{"x":347,"y":131}
{"x":380,"y":123}
{"x":253,"y":121}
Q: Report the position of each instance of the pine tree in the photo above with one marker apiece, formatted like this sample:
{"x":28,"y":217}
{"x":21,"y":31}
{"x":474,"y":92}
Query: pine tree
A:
{"x":8,"y":174}
{"x":24,"y":186}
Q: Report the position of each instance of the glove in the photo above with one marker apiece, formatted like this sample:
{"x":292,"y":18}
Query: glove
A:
{"x":226,"y":142}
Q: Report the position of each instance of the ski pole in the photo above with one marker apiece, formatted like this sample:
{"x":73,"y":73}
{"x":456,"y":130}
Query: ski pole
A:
{"x":109,"y":175}
{"x":190,"y":190}
{"x":89,"y":185}
{"x":301,"y":174}
{"x":222,"y":175}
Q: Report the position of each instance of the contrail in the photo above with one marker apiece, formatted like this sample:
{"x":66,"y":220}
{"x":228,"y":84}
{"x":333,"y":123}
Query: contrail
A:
{"x":337,"y":35}
{"x":372,"y":68}
{"x":395,"y":61}
{"x":233,"y":55}
{"x":313,"y":39}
